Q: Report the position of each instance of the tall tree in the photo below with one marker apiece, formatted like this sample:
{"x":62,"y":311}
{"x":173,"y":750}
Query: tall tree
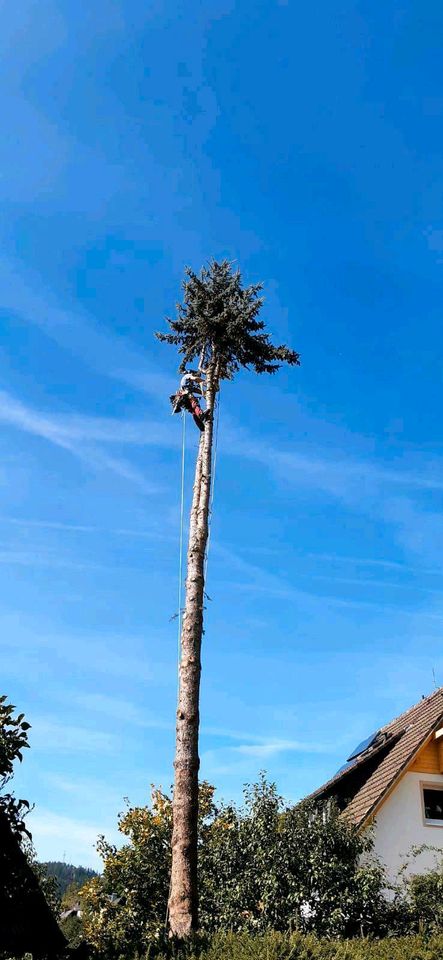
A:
{"x":217,"y":324}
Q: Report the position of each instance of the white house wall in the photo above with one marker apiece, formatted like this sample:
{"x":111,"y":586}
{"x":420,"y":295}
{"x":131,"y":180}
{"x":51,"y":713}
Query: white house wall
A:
{"x":399,"y":826}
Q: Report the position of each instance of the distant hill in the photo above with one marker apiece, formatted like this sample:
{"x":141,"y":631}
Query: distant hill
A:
{"x":66,"y":873}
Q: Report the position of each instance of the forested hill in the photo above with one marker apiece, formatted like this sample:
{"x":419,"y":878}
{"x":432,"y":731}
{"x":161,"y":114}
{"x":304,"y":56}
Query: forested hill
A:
{"x":66,"y":873}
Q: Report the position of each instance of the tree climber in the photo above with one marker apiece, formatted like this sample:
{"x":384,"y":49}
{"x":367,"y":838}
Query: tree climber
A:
{"x":190,"y":384}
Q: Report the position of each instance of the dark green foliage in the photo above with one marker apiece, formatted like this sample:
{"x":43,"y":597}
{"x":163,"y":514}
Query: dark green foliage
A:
{"x":218,"y":323}
{"x":66,"y":874}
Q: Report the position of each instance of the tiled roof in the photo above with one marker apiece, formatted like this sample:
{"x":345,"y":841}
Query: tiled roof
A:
{"x":408,"y":733}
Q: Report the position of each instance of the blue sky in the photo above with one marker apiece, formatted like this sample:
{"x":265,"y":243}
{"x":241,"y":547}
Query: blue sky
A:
{"x":303,"y":141}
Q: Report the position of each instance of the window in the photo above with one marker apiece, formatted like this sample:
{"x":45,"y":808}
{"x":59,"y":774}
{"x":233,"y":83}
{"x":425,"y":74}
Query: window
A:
{"x":433,"y":805}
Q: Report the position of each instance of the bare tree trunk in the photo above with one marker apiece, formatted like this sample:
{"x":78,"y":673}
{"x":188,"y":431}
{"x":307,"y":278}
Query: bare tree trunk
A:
{"x":183,"y":899}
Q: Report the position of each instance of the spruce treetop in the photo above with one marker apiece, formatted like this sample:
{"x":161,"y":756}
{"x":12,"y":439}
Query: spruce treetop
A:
{"x":218,"y":323}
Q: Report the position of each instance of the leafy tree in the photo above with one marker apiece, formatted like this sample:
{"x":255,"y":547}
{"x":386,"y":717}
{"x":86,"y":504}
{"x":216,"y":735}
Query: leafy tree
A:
{"x":124,"y":909}
{"x":217,"y":324}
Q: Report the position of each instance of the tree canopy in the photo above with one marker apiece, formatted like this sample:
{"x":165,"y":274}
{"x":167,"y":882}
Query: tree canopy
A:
{"x":219,"y":321}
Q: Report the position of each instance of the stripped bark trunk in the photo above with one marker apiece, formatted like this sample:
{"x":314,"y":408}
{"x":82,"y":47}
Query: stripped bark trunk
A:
{"x":183,"y":898}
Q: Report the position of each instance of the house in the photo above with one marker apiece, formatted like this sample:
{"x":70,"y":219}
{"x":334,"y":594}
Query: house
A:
{"x":74,"y":911}
{"x":393,"y":781}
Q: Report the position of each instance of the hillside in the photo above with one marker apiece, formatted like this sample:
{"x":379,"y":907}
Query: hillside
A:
{"x":66,"y":873}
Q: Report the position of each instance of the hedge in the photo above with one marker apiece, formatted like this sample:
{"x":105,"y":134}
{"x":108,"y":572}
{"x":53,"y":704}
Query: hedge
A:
{"x":276,"y":946}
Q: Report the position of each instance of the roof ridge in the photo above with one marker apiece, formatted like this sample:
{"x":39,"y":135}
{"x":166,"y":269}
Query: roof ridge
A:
{"x":405,"y":713}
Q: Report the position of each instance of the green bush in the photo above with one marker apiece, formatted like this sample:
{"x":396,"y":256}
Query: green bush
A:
{"x":426,"y":900}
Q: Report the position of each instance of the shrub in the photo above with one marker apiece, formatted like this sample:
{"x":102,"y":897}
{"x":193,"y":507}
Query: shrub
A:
{"x":426,"y":900}
{"x":267,"y":866}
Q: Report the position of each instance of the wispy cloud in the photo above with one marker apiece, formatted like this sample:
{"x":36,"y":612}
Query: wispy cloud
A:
{"x":48,"y":524}
{"x":394,"y":494}
{"x":56,"y":835}
{"x":340,"y":476}
{"x":257,"y":580}
{"x":80,"y":436}
{"x":273,"y":748}
{"x":251,"y":574}
{"x":372,"y":582}
{"x":122,"y":710}
{"x":48,"y":734}
{"x":103,"y":654}
{"x":256,"y":745}
{"x":44,"y":558}
{"x":154,"y":533}
{"x":79,"y":334}
{"x":362,"y":561}
{"x":108,"y":793}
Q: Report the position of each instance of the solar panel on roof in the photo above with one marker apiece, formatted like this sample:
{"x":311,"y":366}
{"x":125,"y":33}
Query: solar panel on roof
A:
{"x":364,"y":745}
{"x":346,"y":766}
{"x":359,"y":750}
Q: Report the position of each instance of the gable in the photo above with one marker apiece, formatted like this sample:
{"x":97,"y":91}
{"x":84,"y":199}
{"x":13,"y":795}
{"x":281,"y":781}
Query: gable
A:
{"x":362,"y":786}
{"x":430,"y":758}
{"x":418,"y":726}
